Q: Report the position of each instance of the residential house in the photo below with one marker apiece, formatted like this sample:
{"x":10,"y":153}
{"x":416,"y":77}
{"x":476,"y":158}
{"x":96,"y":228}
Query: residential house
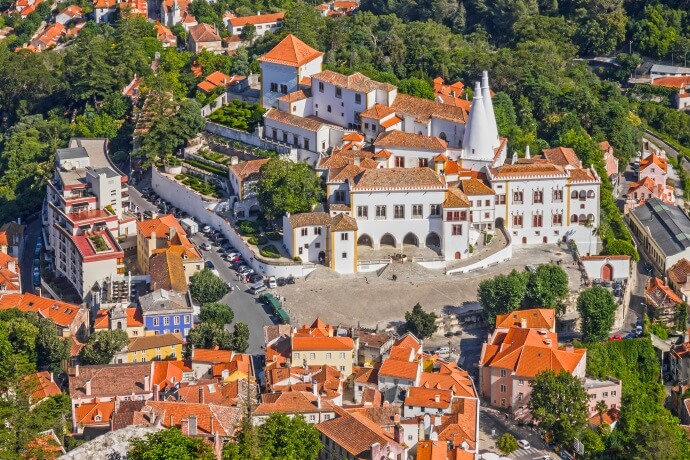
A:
{"x":610,"y":391}
{"x":451,"y":94}
{"x":240,"y":367}
{"x":372,"y":346}
{"x":606,"y":268}
{"x":243,"y":178}
{"x":12,"y":239}
{"x":292,"y":403}
{"x":357,"y":437}
{"x":167,"y":271}
{"x":151,"y":348}
{"x":533,"y":318}
{"x":267,"y":22}
{"x":88,"y":229}
{"x":10,"y":282}
{"x":203,"y":360}
{"x":662,"y":302}
{"x":645,"y":189}
{"x":660,"y":70}
{"x":680,"y":404}
{"x":164,"y":233}
{"x":510,"y":360}
{"x":482,"y":199}
{"x":46,"y":445}
{"x":678,"y":277}
{"x":70,"y":320}
{"x":366,"y":386}
{"x":164,"y":312}
{"x":118,"y":316}
{"x":401,"y":368}
{"x":165,"y":35}
{"x":69,"y":15}
{"x":324,"y":381}
{"x":40,"y":386}
{"x":681,"y":85}
{"x":204,"y":37}
{"x":177,"y":12}
{"x":234,"y":393}
{"x":220,"y":80}
{"x":661,"y":229}
{"x":318,"y":345}
{"x":611,"y":163}
{"x":49,"y":37}
{"x":439,"y":450}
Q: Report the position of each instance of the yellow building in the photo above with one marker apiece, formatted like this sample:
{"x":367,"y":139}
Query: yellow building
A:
{"x":151,"y":348}
{"x":319,"y":345}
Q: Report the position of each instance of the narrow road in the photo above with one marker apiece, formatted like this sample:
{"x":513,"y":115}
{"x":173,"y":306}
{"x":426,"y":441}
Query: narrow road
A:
{"x":669,"y":150}
{"x":32,"y":233}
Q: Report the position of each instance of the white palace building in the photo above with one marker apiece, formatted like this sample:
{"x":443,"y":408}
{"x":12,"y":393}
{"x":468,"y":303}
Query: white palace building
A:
{"x":402,"y":170}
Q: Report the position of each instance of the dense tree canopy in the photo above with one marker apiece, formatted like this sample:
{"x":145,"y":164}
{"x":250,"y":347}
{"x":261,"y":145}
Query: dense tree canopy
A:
{"x":502,"y":294}
{"x":102,"y":346}
{"x":597,"y":308}
{"x":422,"y":324}
{"x":217,"y":313}
{"x":547,"y":287}
{"x":169,"y":444}
{"x":206,"y":287}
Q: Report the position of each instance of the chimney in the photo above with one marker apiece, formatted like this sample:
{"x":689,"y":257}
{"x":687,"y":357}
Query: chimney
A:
{"x":396,"y":418}
{"x":420,"y":428}
{"x":314,"y":388}
{"x":52,"y":379}
{"x":225,"y":374}
{"x":523,"y":323}
{"x":437,"y":398}
{"x":201,"y":394}
{"x":375,"y":450}
{"x":147,"y":383}
{"x":184,"y":425}
{"x":569,"y":348}
{"x":212,"y":430}
{"x":192,"y":425}
{"x":88,"y":388}
{"x":76,"y":370}
{"x":398,"y":433}
{"x":156,"y":391}
{"x":172,"y":233}
{"x":437,"y":420}
{"x":386,"y":404}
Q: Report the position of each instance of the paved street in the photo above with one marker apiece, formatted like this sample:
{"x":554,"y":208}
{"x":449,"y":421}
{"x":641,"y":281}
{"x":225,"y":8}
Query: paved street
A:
{"x":31,"y":235}
{"x":492,"y":424}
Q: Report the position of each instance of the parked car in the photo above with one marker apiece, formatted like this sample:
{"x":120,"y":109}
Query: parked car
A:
{"x":206,"y":229}
{"x":209,"y":264}
{"x":523,"y":443}
{"x":37,"y":276}
{"x":272,"y":282}
{"x":257,"y":288}
{"x":281,"y":281}
{"x":206,"y":246}
{"x":256,"y":278}
{"x":290,"y":280}
{"x":615,"y":337}
{"x":530,"y":268}
{"x":630,"y":335}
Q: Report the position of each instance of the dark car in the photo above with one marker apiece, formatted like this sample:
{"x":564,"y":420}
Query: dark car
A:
{"x":448,"y":334}
{"x":281,"y":281}
{"x":256,"y":278}
{"x":37,"y":276}
{"x":290,"y":280}
{"x":209,"y":265}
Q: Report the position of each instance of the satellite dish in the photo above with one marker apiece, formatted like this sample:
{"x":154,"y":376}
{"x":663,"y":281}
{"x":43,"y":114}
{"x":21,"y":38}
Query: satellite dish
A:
{"x":67,"y":166}
{"x":427,"y":421}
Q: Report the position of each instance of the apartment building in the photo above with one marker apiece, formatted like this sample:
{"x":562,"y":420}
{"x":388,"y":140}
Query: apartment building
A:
{"x":318,"y":344}
{"x":86,"y":223}
{"x":151,"y":348}
{"x":166,"y":312}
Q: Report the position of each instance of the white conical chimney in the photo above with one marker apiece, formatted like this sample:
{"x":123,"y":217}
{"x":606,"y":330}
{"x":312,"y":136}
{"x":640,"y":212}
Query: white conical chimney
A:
{"x":527,"y":154}
{"x":477,"y":143}
{"x":489,"y":107}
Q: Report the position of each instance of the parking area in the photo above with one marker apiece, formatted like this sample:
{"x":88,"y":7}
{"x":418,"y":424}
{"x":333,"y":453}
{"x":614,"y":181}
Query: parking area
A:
{"x":493,"y":424}
{"x":371,"y":300}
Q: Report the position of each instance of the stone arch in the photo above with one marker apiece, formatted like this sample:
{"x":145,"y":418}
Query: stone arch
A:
{"x":443,"y":136}
{"x":387,"y":240}
{"x":500,"y":223}
{"x":254,"y":210}
{"x":433,"y":240}
{"x":411,"y":240}
{"x":365,"y":240}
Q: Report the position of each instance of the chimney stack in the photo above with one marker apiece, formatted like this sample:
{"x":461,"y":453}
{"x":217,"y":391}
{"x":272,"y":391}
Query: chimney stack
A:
{"x":52,"y":379}
{"x":314,"y":388}
{"x":156,"y":392}
{"x":184,"y":426}
{"x":437,"y":398}
{"x":437,"y":420}
{"x":398,"y":433}
{"x":88,"y":388}
{"x":147,"y":383}
{"x":76,"y":370}
{"x":523,"y":323}
{"x":192,"y":425}
{"x":420,"y":430}
{"x":569,"y":348}
{"x":201,"y":394}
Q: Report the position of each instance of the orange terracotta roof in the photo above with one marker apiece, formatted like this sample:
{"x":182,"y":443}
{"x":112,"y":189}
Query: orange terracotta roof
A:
{"x":679,"y":272}
{"x":248,"y":169}
{"x":355,"y":82}
{"x":354,"y":433}
{"x":456,"y":198}
{"x":353,"y":136}
{"x":9,"y":272}
{"x":212,"y":356}
{"x":402,"y":353}
{"x":322,"y":343}
{"x":75,"y":346}
{"x":295,"y":96}
{"x":203,"y":33}
{"x":528,"y":168}
{"x":291,"y":402}
{"x":677,"y":82}
{"x":258,"y":19}
{"x":3,"y":239}
{"x":536,"y":318}
{"x":45,"y":446}
{"x":210,"y":418}
{"x":475,"y":187}
{"x":398,"y":179}
{"x":167,"y":271}
{"x":399,"y":369}
{"x":161,"y":226}
{"x":368,"y":375}
{"x":40,"y":385}
{"x":609,"y":417}
{"x":168,"y":373}
{"x":308,"y":123}
{"x":396,"y":138}
{"x":378,"y":111}
{"x":454,"y":101}
{"x":655,"y":159}
{"x":448,"y":377}
{"x":392,"y":121}
{"x":562,"y":156}
{"x":432,"y":450}
{"x":240,"y":363}
{"x":94,"y":413}
{"x":410,"y":341}
{"x":660,"y":295}
{"x":225,"y":394}
{"x":383,"y":153}
{"x":423,"y":110}
{"x":291,"y":51}
{"x":61,"y":313}
{"x":427,"y":397}
{"x":582,"y":175}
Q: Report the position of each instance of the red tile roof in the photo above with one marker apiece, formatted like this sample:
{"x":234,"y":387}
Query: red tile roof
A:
{"x":396,"y":138}
{"x":428,"y":397}
{"x":210,"y":418}
{"x":300,"y":343}
{"x":94,"y":413}
{"x":679,"y":272}
{"x":562,"y":156}
{"x":535,"y":318}
{"x":292,"y":402}
{"x":161,"y":226}
{"x":248,"y":169}
{"x":40,"y":385}
{"x":203,"y":33}
{"x":658,"y":294}
{"x":291,"y":51}
{"x":258,"y":19}
{"x":672,"y":82}
{"x":355,"y":433}
{"x":655,"y":159}
{"x":212,"y":356}
{"x":61,"y":313}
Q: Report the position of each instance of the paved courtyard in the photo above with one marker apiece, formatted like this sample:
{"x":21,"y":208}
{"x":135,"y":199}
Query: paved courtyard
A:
{"x":370,"y":300}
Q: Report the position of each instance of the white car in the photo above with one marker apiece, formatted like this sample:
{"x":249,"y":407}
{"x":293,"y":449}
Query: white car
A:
{"x":206,"y":229}
{"x":272,"y":282}
{"x":206,"y":247}
{"x":523,"y":443}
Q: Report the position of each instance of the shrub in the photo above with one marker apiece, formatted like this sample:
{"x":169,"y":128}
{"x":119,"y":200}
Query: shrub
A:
{"x":206,"y":167}
{"x":297,"y":259}
{"x":273,"y":236}
{"x":507,"y":443}
{"x":239,"y":115}
{"x":270,"y":251}
{"x":180,"y":176}
{"x":257,"y":240}
{"x":247,"y":227}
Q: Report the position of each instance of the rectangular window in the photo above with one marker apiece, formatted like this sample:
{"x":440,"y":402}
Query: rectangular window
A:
{"x":537,"y":220}
{"x":312,"y":355}
{"x":457,"y":229}
{"x":487,"y":215}
{"x":435,"y":210}
{"x":328,"y":356}
{"x":503,"y":373}
{"x":283,"y":89}
{"x":423,"y":162}
{"x":487,"y":202}
{"x":344,"y":236}
{"x":606,"y":394}
{"x":500,"y":199}
{"x":176,"y":320}
{"x":558,"y":219}
{"x":320,"y":87}
{"x":312,"y":417}
{"x":503,"y":388}
{"x":538,"y":197}
{"x":380,"y":212}
{"x":358,"y":98}
{"x":339,"y":93}
{"x":399,"y":211}
{"x":343,"y":255}
{"x":363,"y":212}
{"x":521,"y":396}
{"x":317,"y":230}
{"x":558,"y":195}
{"x":342,"y":355}
{"x":305,"y":231}
{"x":517,"y":221}
{"x":517,"y":197}
{"x":156,"y":321}
{"x":296,"y":355}
{"x":613,"y":393}
{"x":399,"y":162}
{"x":295,"y":140}
{"x":306,"y":144}
{"x":187,"y":319}
{"x":285,"y":138}
{"x":417,"y":211}
{"x":340,"y":196}
{"x":521,"y":381}
{"x":274,"y":87}
{"x":317,"y":245}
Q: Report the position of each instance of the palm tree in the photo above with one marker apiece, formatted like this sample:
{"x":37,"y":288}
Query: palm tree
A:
{"x":589,"y":223}
{"x":601,"y":408}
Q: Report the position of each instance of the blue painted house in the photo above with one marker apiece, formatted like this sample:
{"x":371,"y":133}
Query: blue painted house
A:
{"x":166,"y":312}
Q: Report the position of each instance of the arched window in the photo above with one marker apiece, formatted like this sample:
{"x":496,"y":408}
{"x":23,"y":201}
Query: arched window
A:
{"x":583,"y":194}
{"x":573,"y":195}
{"x":590,"y":194}
{"x":590,"y":218}
{"x":573,"y":218}
{"x":443,"y":136}
{"x":328,"y":109}
{"x":583,"y":219}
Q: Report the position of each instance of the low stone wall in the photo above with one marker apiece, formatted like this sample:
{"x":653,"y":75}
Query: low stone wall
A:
{"x":254,"y":139}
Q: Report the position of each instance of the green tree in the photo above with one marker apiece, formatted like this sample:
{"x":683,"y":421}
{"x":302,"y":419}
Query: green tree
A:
{"x":169,"y":444}
{"x":248,"y":33}
{"x":559,"y":403}
{"x":102,"y":346}
{"x":417,"y":87}
{"x":116,"y":105}
{"x":285,"y":186}
{"x":208,"y":335}
{"x":206,"y":287}
{"x":621,"y":248}
{"x":594,"y":445}
{"x":507,"y":443}
{"x":240,"y":337}
{"x":217,"y":313}
{"x":420,"y":323}
{"x":547,"y":287}
{"x":51,"y":349}
{"x":502,"y":294}
{"x":93,"y":124}
{"x":597,"y":309}
{"x":289,"y":438}
{"x":657,"y":439}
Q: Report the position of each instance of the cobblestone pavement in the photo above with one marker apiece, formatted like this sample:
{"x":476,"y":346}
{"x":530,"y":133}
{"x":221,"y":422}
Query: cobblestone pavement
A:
{"x":370,"y":300}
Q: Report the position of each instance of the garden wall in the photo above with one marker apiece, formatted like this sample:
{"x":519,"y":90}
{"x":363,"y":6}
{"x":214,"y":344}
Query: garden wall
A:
{"x":493,"y":259}
{"x":254,"y":139}
{"x":204,"y":212}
